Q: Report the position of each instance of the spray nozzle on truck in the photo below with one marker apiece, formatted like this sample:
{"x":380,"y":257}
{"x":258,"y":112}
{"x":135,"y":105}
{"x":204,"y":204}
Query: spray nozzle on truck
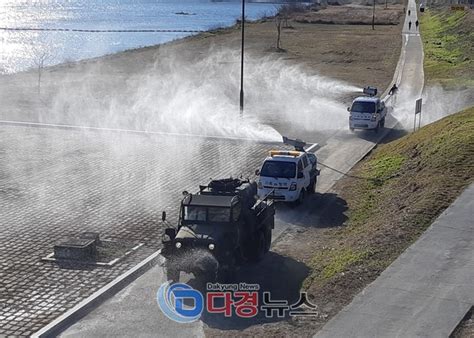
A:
{"x":370,"y":91}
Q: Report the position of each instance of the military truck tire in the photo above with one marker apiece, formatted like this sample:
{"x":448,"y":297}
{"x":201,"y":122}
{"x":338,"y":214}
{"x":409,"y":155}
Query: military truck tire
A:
{"x":258,"y":250}
{"x":226,"y":273}
{"x":172,"y":275}
{"x":208,"y":276}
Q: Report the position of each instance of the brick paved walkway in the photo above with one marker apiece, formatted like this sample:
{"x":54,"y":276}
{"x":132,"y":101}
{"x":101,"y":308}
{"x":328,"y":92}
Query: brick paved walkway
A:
{"x":56,"y":183}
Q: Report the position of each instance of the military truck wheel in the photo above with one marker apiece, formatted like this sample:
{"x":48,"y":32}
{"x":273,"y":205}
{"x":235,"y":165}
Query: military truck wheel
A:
{"x":259,"y":247}
{"x":226,"y":269}
{"x":226,"y":274}
{"x":209,"y":276}
{"x":172,"y":274}
{"x":268,"y":239}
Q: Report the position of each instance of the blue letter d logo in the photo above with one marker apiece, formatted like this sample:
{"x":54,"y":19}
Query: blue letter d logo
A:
{"x":171,"y":300}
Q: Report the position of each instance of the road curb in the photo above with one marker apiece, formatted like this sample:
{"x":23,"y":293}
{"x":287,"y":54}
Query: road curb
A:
{"x":83,"y":308}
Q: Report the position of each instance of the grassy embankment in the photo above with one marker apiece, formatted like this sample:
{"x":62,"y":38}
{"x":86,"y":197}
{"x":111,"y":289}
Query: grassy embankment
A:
{"x":407,"y":184}
{"x":448,"y":42}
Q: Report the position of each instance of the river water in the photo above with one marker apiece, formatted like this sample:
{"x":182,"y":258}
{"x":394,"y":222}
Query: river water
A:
{"x":23,"y":49}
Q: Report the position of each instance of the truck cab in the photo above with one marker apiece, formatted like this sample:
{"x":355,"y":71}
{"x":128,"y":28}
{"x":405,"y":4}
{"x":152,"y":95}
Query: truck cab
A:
{"x":367,"y":112}
{"x":287,"y":175}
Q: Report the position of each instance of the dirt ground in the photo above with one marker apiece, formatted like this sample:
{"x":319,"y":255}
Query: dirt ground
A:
{"x":353,"y":15}
{"x":330,"y":50}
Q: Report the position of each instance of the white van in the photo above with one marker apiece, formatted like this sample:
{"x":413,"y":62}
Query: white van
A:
{"x":367,"y":113}
{"x":287,"y":176}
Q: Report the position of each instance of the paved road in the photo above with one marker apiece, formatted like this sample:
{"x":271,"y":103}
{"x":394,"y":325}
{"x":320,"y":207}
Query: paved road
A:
{"x":426,"y":292}
{"x":410,"y":79}
{"x":134,"y":312}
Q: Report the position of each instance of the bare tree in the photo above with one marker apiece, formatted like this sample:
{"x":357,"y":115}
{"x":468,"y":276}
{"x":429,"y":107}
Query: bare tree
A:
{"x":285,"y":14}
{"x":278,"y":23}
{"x":40,"y":57}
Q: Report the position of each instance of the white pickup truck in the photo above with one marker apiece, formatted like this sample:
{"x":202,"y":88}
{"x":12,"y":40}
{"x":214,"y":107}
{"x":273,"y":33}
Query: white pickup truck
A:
{"x":287,"y":175}
{"x":367,"y":112}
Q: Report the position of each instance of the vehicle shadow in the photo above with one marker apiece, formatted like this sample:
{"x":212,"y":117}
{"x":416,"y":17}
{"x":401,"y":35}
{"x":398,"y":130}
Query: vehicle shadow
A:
{"x":369,"y":135}
{"x":281,"y":276}
{"x":318,"y":210}
{"x":393,"y":135}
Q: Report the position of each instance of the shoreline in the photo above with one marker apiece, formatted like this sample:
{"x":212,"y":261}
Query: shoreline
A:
{"x":67,"y":64}
{"x":106,"y":56}
{"x":195,"y":37}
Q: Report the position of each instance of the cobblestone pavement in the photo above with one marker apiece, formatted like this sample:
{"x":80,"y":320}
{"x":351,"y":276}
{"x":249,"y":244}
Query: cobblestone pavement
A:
{"x":56,"y":183}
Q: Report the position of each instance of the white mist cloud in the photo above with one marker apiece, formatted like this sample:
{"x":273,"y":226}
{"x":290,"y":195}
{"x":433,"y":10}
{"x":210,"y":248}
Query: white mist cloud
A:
{"x":202,"y":98}
{"x":437,"y":103}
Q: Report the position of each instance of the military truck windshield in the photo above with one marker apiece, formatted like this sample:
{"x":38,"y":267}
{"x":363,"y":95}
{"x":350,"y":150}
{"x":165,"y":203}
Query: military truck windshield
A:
{"x":363,"y":107}
{"x":206,"y":214}
{"x":218,"y":214}
{"x":278,"y":169}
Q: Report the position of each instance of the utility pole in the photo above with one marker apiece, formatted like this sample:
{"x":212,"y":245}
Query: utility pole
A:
{"x":242,"y":60}
{"x":373,"y":16}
